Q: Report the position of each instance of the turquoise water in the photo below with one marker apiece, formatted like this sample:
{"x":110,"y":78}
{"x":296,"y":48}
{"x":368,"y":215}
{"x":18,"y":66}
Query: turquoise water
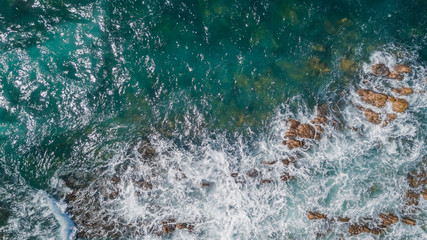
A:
{"x":205,"y":87}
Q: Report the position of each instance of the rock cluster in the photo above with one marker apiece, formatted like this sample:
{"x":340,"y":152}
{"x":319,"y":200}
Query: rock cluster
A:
{"x":298,"y":132}
{"x":169,"y":226}
{"x":379,"y":100}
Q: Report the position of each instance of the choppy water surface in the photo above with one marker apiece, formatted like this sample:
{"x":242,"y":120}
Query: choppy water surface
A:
{"x":116,"y":116}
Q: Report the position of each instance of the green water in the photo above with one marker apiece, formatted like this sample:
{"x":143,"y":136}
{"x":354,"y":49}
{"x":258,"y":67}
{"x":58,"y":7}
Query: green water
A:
{"x":80,"y":76}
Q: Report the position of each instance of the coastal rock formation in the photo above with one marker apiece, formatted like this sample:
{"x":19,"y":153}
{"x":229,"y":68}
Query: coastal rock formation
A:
{"x":343,"y":219}
{"x":409,"y":221}
{"x":401,"y":68}
{"x":399,"y":105}
{"x":380,"y":69}
{"x":403,"y":91}
{"x":388,"y":218}
{"x":372,"y":116}
{"x":316,"y":216}
{"x":292,"y":143}
{"x":375,"y":99}
{"x":396,"y":75}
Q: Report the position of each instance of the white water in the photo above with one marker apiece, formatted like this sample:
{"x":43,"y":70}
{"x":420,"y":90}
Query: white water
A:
{"x":356,"y":170}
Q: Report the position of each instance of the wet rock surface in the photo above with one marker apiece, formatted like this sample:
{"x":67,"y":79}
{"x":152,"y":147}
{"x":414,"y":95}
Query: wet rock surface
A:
{"x":375,"y":99}
{"x":316,"y":216}
{"x":372,"y":116}
{"x":380,"y":69}
{"x":403,"y":91}
{"x":401,"y":68}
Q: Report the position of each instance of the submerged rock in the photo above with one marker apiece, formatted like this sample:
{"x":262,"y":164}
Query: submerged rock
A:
{"x":376,"y":99}
{"x":168,"y":228}
{"x":424,"y":194}
{"x":390,"y":117}
{"x":252,"y":173}
{"x":265,"y":162}
{"x":355,"y":229}
{"x":380,"y":69}
{"x":286,"y":177}
{"x":412,"y":198}
{"x":316,"y":215}
{"x":266,"y":181}
{"x":403,"y":91}
{"x":401,"y":68}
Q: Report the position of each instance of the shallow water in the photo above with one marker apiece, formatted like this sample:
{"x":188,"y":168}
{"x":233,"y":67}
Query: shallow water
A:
{"x":114,"y":114}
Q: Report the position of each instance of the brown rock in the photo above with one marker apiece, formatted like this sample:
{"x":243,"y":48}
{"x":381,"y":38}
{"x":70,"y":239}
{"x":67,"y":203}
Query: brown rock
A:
{"x":373,"y":98}
{"x":320,"y":120}
{"x":365,"y":229}
{"x":287,"y":177}
{"x":409,"y":221}
{"x":390,"y":117}
{"x":316,"y":215}
{"x":401,"y":68}
{"x":413,"y":182}
{"x":396,"y":75}
{"x":343,"y":219}
{"x":181,"y":225}
{"x":235,"y":174}
{"x":252,"y":173}
{"x":168,"y":228}
{"x":389,"y":218}
{"x":354,"y":229}
{"x":372,"y":116}
{"x":306,"y":131}
{"x":403,"y":91}
{"x":424,"y":194}
{"x":319,"y":128}
{"x":292,"y":131}
{"x":400,"y":105}
{"x":376,"y":231}
{"x":266,"y":181}
{"x":412,"y":198}
{"x":288,"y":161}
{"x":265,"y":162}
{"x":380,"y":69}
{"x":291,"y":143}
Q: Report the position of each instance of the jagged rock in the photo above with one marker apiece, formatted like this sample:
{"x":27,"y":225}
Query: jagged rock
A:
{"x":380,"y":69}
{"x":355,"y":229}
{"x":396,"y":75}
{"x":416,"y":179}
{"x":403,"y":91}
{"x":168,"y":228}
{"x":293,"y":131}
{"x":288,"y":161}
{"x":412,"y":198}
{"x":390,"y":117}
{"x":266,"y":181}
{"x":234,"y":174}
{"x":319,"y":128}
{"x":399,"y":105}
{"x":376,"y":231}
{"x":409,"y":221}
{"x":265,"y":162}
{"x":316,"y":215}
{"x":372,"y":116}
{"x":252,"y":173}
{"x":388,"y":219}
{"x":319,"y":120}
{"x":286,"y":177}
{"x":181,"y":225}
{"x":292,"y":143}
{"x":401,"y":68}
{"x":424,"y":194}
{"x":306,"y":131}
{"x":376,"y":99}
{"x":343,"y":219}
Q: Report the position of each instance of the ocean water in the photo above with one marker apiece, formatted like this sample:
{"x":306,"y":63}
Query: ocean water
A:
{"x":116,"y":116}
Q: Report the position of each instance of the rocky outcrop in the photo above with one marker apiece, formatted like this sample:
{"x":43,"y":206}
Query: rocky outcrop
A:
{"x":388,"y":218}
{"x":316,"y":216}
{"x":408,"y":221}
{"x":401,"y":68}
{"x":396,"y":75}
{"x":399,"y":105}
{"x":375,"y":99}
{"x":372,"y":116}
{"x":292,"y":143}
{"x":380,"y":69}
{"x":403,"y":91}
